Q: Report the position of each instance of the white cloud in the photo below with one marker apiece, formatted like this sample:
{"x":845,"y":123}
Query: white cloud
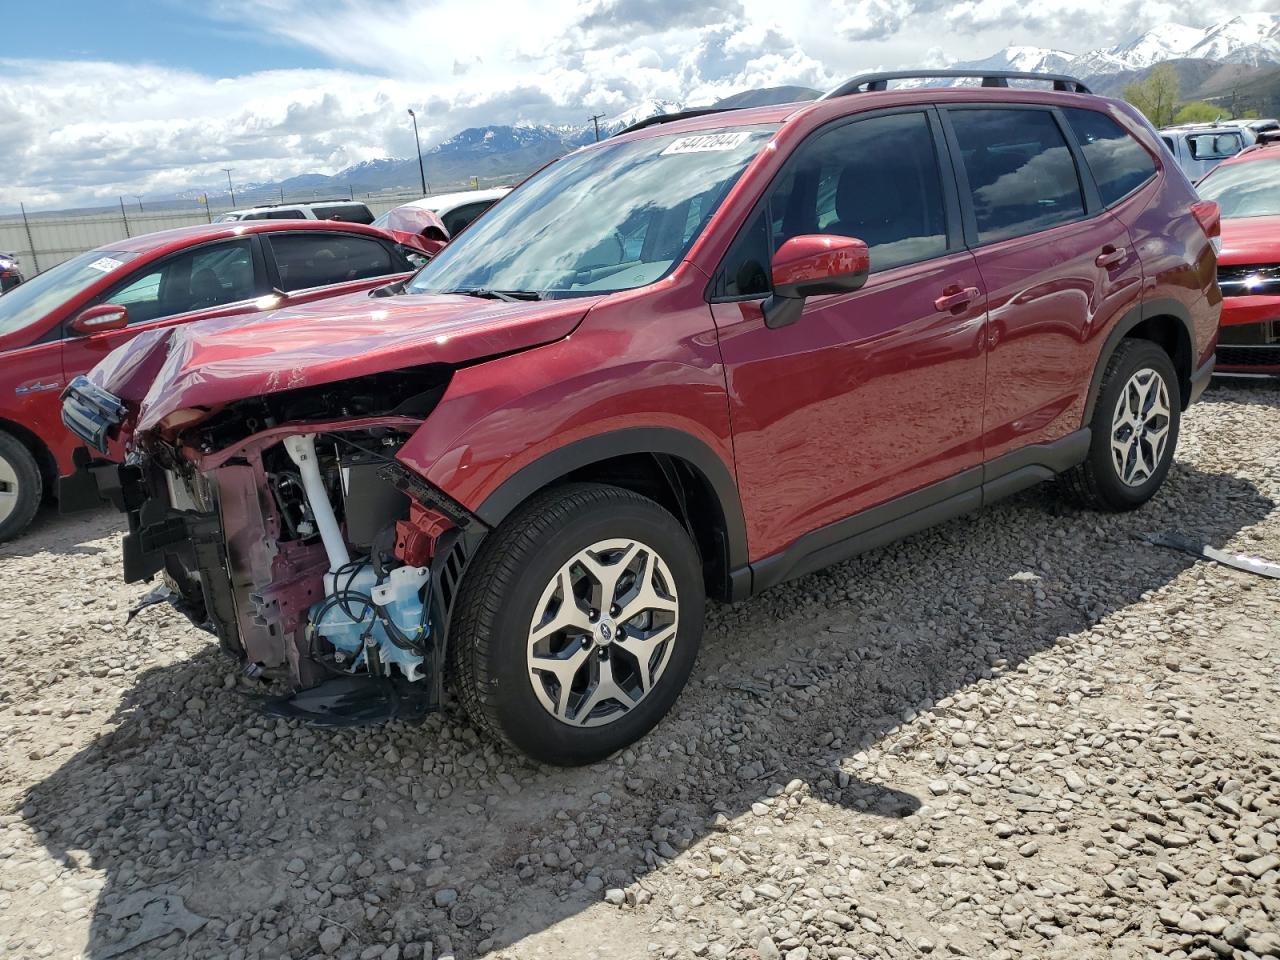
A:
{"x":74,"y":131}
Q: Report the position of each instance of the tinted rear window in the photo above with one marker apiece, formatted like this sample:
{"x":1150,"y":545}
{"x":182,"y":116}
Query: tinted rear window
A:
{"x":455,"y":220}
{"x":1118,"y":162}
{"x":1022,"y":177}
{"x":318,"y":259}
{"x":346,"y":212}
{"x":1215,"y":146}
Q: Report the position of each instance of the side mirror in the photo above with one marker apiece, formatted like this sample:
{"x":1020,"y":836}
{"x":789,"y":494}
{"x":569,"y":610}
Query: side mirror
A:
{"x":103,"y":317}
{"x":812,"y":266}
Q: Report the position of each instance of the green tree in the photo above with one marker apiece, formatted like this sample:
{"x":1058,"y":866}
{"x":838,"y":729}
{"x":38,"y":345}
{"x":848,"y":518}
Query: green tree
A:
{"x":1197,"y":111}
{"x":1156,"y":95}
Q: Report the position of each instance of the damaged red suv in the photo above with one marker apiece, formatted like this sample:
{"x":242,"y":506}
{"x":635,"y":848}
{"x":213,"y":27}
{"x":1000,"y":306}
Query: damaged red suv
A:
{"x":710,"y":354}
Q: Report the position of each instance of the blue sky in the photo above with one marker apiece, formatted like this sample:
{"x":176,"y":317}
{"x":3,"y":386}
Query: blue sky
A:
{"x":122,"y":97}
{"x":165,"y":32}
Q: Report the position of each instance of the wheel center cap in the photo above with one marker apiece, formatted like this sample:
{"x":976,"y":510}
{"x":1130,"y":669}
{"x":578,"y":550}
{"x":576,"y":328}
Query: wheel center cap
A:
{"x":605,"y":632}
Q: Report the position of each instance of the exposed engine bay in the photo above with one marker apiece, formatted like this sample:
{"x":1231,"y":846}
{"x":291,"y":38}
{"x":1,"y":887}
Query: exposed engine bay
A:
{"x":308,"y":549}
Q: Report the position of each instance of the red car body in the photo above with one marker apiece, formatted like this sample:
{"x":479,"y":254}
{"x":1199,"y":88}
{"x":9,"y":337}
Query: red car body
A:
{"x":1249,"y":273}
{"x":933,"y":388}
{"x":41,"y":357}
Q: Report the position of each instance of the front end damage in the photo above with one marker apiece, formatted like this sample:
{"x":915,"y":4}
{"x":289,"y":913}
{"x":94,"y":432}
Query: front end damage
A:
{"x":315,"y":556}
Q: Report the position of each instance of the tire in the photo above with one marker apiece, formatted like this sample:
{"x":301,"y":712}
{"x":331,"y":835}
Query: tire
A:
{"x":1126,"y":476}
{"x":512,"y":620}
{"x":21,"y":487}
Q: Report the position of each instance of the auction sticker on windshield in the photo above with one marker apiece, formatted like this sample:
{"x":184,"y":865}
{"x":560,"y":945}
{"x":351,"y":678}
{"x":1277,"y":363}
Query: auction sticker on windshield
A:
{"x":706,"y":142}
{"x":105,"y":265}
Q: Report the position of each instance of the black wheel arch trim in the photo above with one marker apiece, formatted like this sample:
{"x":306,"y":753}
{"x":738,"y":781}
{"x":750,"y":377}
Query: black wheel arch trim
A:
{"x":1147,"y":310}
{"x":631,"y":441}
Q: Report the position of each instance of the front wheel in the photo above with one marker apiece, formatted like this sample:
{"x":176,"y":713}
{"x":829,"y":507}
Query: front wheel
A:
{"x":1135,"y":430}
{"x":578,"y":623}
{"x":20,"y":487}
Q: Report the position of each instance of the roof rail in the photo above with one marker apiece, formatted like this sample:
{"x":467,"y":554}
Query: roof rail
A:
{"x":672,"y":117}
{"x":300,"y":203}
{"x":873,"y":82}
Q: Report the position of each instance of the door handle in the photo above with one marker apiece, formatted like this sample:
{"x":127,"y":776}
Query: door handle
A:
{"x":1110,"y":256}
{"x":954,"y":298}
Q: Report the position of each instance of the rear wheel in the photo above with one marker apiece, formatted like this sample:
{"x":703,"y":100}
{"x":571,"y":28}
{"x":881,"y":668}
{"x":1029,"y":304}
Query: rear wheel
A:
{"x":1135,"y":430}
{"x":20,"y":486}
{"x":578,"y":623}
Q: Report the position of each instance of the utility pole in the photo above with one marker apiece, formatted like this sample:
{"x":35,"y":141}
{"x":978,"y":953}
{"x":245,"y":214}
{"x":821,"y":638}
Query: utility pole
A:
{"x":35,"y":260}
{"x":422,"y":172}
{"x":227,"y":171}
{"x":595,"y":119}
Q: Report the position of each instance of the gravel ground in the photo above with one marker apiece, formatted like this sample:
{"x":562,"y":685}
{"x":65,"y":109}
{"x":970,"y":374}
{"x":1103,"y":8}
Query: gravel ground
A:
{"x":1023,"y":734}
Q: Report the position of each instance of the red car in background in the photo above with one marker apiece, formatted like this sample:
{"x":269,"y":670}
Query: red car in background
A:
{"x":63,"y":321}
{"x":1247,"y":189}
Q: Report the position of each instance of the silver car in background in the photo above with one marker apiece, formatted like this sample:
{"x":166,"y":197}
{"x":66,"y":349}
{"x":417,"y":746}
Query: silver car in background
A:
{"x":1199,"y":147}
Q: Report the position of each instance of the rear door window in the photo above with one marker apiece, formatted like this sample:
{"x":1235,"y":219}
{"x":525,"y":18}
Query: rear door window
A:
{"x":1215,"y":146}
{"x":319,"y":259}
{"x":1022,"y":177}
{"x":1118,"y":162}
{"x":346,"y":212}
{"x":455,"y":220}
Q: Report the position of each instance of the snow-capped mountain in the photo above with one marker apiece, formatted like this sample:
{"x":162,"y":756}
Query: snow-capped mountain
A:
{"x":1165,"y":42}
{"x":367,"y":168}
{"x":1251,"y":39}
{"x":1024,"y":59}
{"x":641,"y":111}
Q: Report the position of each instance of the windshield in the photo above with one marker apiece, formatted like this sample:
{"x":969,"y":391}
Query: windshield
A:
{"x":606,"y":218}
{"x":1245,"y":189}
{"x":30,"y":301}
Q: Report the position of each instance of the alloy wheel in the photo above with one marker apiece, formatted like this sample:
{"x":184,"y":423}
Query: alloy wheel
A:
{"x":602,"y":632}
{"x":8,"y":489}
{"x":1140,"y":427}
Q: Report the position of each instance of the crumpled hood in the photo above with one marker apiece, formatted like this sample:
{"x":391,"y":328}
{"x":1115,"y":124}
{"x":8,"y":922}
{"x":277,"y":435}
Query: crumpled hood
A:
{"x":1250,"y":240}
{"x":206,"y":365}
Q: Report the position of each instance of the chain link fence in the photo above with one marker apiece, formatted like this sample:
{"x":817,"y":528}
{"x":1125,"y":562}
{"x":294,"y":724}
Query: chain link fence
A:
{"x":43,"y":240}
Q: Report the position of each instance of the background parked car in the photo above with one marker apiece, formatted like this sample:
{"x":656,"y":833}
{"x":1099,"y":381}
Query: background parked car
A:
{"x":1247,"y":189}
{"x":10,"y":272}
{"x":60,"y":323}
{"x":455,"y":210}
{"x":346,"y":211}
{"x":1199,"y":147}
